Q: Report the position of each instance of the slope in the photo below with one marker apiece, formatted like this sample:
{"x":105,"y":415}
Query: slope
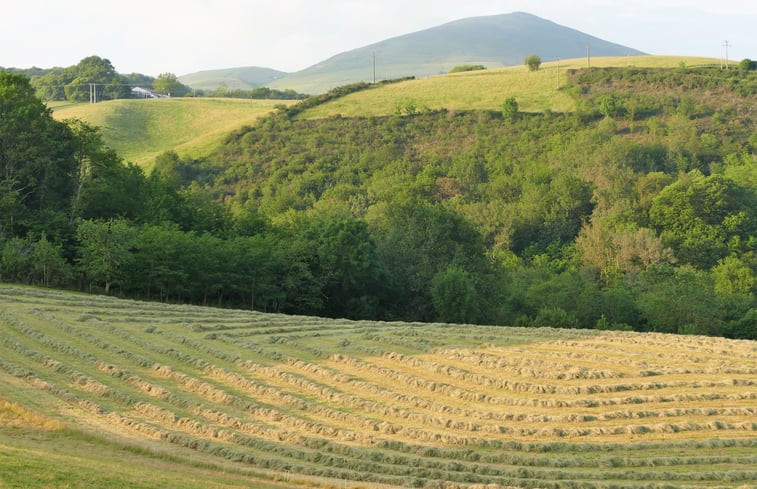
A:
{"x":487,"y":89}
{"x":495,"y":41}
{"x":139,"y":130}
{"x":242,"y":78}
{"x":403,"y":404}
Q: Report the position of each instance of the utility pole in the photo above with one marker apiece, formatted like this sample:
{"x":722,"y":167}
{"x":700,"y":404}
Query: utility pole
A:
{"x":374,"y":67}
{"x":588,"y":55}
{"x":558,"y":73}
{"x":726,"y":44}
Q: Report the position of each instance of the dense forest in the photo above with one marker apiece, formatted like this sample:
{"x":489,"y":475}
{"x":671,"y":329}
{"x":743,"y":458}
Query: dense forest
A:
{"x":638,"y":211}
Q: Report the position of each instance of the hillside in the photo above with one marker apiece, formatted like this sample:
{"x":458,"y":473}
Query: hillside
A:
{"x":220,"y":395}
{"x":486,"y":90}
{"x":494,"y":41}
{"x":139,"y":130}
{"x":242,"y":78}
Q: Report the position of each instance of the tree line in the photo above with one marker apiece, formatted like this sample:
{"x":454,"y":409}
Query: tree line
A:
{"x":572,"y":220}
{"x":74,"y":83}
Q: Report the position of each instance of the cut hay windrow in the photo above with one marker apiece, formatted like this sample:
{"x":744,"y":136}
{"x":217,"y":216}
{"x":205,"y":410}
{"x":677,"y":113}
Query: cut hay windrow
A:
{"x":436,"y":406}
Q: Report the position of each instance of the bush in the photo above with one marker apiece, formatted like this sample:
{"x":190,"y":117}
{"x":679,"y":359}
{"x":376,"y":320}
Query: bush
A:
{"x":462,"y":68}
{"x":533,"y":62}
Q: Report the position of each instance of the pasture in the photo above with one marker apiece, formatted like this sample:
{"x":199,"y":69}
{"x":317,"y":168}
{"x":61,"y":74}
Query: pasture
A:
{"x":140,"y":130}
{"x":487,"y":89}
{"x":229,"y":396}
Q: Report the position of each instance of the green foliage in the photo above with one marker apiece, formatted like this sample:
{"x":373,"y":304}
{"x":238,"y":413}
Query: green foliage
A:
{"x":453,"y":295}
{"x":678,"y":300}
{"x":703,"y":218}
{"x":533,"y":61}
{"x":744,"y":328}
{"x":463,"y":68}
{"x":36,"y":160}
{"x":346,"y":263}
{"x":747,"y":64}
{"x":105,"y":251}
{"x":167,"y":83}
{"x":413,"y":217}
{"x":510,"y":109}
{"x":100,"y":71}
{"x":733,"y":276}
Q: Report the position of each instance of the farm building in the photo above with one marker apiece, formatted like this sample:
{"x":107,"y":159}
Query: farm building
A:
{"x":139,"y":92}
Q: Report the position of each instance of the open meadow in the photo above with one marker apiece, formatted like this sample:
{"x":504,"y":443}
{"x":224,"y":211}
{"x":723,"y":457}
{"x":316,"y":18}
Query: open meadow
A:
{"x":140,"y":130}
{"x":535,"y":91}
{"x":102,"y":392}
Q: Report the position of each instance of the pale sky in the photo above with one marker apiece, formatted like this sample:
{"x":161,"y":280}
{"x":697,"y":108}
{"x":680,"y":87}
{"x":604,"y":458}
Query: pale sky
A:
{"x":182,"y":37}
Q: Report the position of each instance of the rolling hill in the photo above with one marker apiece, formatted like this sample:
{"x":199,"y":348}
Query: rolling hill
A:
{"x":242,"y":78}
{"x":115,"y":393}
{"x":486,"y":89}
{"x":494,"y":41}
{"x":139,"y":130}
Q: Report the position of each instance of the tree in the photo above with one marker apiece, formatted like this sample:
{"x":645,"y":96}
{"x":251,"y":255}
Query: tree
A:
{"x":36,"y":160}
{"x":347,"y":264}
{"x":678,"y":300}
{"x":533,"y":62}
{"x":105,"y":250}
{"x":48,"y":264}
{"x":416,"y":241}
{"x":510,"y":109}
{"x":704,"y":218}
{"x":167,"y":83}
{"x":454,"y":296}
{"x":747,"y":64}
{"x":733,"y":276}
{"x":93,"y":69}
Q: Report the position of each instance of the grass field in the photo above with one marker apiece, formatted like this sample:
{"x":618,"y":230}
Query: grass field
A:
{"x":487,"y":89}
{"x":222,"y":398}
{"x":139,"y":130}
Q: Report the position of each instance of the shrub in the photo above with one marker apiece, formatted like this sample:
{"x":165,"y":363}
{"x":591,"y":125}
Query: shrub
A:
{"x":462,"y":68}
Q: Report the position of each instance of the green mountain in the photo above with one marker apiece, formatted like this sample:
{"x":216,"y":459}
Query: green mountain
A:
{"x":242,"y":78}
{"x":494,"y":41}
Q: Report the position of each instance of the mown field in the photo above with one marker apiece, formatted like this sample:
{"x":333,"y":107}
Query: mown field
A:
{"x":139,"y":130}
{"x":487,"y":89}
{"x":130,"y":394}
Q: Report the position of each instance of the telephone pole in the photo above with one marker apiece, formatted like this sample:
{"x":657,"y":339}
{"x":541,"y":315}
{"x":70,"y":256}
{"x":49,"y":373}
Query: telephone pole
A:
{"x":558,"y":73}
{"x":588,"y":55}
{"x":374,"y":67}
{"x":726,"y":44}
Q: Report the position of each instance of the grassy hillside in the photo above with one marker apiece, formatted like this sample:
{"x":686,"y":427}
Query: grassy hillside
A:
{"x":534,"y":91}
{"x":139,"y":130}
{"x":494,"y":41}
{"x":243,"y":78}
{"x":196,"y":394}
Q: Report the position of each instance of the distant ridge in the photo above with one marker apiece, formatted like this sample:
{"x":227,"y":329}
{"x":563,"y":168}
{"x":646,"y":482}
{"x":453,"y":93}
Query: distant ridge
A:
{"x":494,"y":41}
{"x":241,"y":78}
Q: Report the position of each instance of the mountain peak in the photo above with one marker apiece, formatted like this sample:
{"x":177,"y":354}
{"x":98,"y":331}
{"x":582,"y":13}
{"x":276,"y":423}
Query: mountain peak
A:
{"x":494,"y":41}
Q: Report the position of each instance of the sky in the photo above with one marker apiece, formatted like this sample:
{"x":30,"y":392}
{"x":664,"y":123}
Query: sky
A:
{"x":181,"y":37}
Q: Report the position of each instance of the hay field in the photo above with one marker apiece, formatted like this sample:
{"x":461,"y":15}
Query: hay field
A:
{"x":140,"y":130}
{"x":487,"y":89}
{"x":305,"y":401}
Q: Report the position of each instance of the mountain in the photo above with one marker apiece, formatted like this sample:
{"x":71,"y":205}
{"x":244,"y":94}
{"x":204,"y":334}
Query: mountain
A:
{"x":242,"y":78}
{"x":494,"y":41}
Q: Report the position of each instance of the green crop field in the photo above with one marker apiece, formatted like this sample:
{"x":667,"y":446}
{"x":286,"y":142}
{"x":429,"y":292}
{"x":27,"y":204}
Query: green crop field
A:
{"x":486,"y":90}
{"x":139,"y":130}
{"x":102,"y":392}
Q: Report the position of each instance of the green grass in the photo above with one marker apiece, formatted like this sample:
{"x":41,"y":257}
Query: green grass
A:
{"x":139,"y":130}
{"x":100,"y":392}
{"x":485,"y":90}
